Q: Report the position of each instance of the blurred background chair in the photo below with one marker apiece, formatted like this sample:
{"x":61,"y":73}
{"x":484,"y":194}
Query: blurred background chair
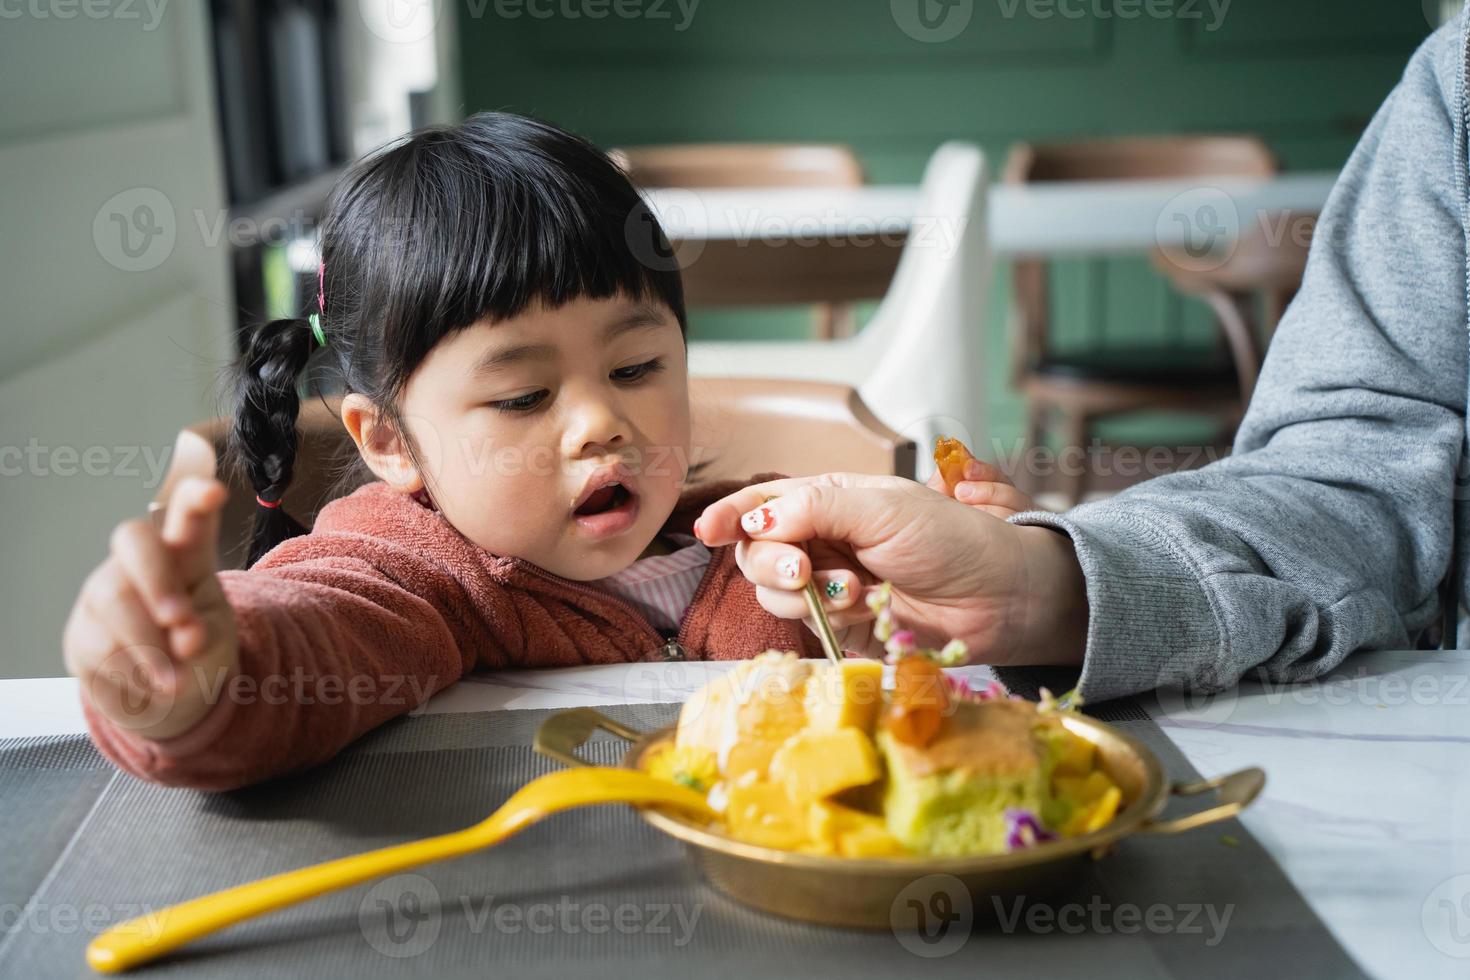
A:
{"x":1250,"y":290}
{"x":697,"y":165}
{"x":741,"y":427}
{"x":916,"y":363}
{"x":1073,"y":389}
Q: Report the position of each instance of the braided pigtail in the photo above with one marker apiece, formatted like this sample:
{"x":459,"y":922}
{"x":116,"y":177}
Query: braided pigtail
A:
{"x":263,"y":437}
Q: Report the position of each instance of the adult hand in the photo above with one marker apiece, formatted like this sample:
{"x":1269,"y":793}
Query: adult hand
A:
{"x":1014,"y":594}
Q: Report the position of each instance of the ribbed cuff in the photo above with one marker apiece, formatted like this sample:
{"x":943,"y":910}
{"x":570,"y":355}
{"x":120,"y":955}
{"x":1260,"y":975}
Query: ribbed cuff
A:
{"x":1150,"y":620}
{"x":147,"y":754}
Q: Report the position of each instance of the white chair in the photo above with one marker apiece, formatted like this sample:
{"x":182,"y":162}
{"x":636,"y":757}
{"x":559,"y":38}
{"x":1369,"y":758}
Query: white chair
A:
{"x":918,"y":363}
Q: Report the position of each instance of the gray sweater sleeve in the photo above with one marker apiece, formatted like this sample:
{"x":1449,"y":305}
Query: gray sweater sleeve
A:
{"x":1328,"y":528}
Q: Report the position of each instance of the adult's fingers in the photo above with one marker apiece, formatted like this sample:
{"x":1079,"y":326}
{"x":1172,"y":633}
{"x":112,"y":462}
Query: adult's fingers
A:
{"x":191,"y":527}
{"x":787,"y":568}
{"x":858,"y":515}
{"x":792,"y":605}
{"x":720,"y":522}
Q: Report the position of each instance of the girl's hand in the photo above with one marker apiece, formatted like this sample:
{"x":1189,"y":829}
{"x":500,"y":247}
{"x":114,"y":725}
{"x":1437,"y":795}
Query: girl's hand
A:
{"x":986,"y":488}
{"x":1014,"y":594}
{"x":151,"y":636}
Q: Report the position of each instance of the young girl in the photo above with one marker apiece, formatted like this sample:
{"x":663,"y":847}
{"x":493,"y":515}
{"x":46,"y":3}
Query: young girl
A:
{"x":516,"y":381}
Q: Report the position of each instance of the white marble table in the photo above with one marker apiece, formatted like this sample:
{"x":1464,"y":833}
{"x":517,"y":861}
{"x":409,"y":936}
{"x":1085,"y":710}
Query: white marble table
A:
{"x":1366,"y":807}
{"x":1054,"y":218}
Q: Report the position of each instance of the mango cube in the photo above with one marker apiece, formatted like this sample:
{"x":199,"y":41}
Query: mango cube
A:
{"x":762,"y":813}
{"x":812,"y":765}
{"x":834,"y":828}
{"x":845,"y":695}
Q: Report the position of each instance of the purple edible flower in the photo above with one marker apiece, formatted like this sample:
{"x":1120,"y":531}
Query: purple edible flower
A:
{"x":1023,"y":829}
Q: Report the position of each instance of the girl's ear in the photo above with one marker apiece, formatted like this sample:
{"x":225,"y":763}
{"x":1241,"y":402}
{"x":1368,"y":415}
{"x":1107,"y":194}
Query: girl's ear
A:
{"x":381,"y":445}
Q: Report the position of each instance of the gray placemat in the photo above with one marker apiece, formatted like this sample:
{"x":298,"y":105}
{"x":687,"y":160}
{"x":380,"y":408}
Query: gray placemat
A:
{"x":593,"y":892}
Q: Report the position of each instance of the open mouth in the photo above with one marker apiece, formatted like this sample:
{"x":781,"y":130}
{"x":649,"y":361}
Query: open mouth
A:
{"x":608,"y":498}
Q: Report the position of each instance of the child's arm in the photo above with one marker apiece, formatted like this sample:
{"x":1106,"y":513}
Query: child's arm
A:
{"x":290,"y":662}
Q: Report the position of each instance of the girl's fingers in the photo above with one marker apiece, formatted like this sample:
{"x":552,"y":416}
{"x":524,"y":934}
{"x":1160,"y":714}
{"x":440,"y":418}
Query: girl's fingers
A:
{"x":212,"y":617}
{"x":979,"y":470}
{"x":120,"y":609}
{"x":993,"y":495}
{"x":191,"y":527}
{"x":149,"y":567}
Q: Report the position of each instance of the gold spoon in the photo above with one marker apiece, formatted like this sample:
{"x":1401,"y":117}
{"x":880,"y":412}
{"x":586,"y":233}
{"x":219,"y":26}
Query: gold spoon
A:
{"x":830,"y":646}
{"x":147,"y":937}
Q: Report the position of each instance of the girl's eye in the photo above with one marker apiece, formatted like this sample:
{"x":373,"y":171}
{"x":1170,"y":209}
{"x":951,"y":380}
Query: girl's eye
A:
{"x":637,"y":372}
{"x":523,"y":403}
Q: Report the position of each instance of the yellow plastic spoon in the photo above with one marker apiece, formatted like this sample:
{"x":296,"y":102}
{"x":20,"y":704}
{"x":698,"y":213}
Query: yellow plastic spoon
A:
{"x":147,"y":937}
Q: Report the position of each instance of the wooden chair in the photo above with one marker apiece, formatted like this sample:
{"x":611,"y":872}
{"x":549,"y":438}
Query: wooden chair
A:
{"x":800,"y":428}
{"x":917,"y":363}
{"x":1084,"y":386}
{"x":732,"y":273}
{"x":1251,"y":289}
{"x":741,"y":427}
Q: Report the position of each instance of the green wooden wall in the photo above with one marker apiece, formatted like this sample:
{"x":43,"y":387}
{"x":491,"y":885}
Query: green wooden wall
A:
{"x":1304,"y":74}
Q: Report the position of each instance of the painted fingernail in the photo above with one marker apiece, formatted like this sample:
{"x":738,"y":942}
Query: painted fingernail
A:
{"x":836,"y":589}
{"x":789,"y":567}
{"x":758,"y":520}
{"x":696,"y":527}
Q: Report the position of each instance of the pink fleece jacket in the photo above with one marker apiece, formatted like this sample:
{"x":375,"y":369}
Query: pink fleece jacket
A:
{"x":383,"y":604}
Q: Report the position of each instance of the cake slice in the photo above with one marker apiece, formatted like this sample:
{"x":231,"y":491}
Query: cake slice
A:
{"x":950,"y":796}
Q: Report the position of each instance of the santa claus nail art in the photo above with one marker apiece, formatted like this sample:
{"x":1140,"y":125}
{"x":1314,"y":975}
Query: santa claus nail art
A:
{"x":758,"y":520}
{"x":789,"y":567}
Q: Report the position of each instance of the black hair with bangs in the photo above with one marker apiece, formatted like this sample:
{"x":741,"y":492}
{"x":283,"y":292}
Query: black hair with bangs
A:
{"x":448,"y":227}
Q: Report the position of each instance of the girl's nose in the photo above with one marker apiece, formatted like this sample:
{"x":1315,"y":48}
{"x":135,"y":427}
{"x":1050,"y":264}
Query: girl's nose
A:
{"x":595,"y":425}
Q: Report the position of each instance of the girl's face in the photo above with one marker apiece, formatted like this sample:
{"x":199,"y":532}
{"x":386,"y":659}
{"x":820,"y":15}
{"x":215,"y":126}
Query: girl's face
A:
{"x":559,"y":436}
